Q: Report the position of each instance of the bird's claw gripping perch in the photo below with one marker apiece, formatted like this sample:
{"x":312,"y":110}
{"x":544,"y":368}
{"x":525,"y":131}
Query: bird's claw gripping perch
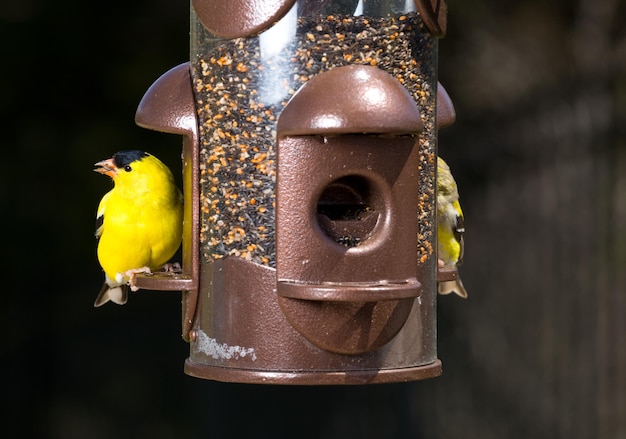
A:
{"x":132,"y":276}
{"x":172,"y":267}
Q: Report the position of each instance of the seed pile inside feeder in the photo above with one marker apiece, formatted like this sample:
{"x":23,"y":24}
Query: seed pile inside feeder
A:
{"x":240,"y":92}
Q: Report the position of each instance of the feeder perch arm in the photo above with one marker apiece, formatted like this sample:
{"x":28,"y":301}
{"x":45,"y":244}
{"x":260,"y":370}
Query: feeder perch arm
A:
{"x":168,"y":106}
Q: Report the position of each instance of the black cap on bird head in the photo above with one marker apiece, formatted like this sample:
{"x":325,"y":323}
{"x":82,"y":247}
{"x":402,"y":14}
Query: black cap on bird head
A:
{"x":126,"y":157}
{"x":120,"y":160}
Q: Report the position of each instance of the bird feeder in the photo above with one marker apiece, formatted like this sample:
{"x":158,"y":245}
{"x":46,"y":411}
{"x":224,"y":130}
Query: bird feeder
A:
{"x":309,"y":152}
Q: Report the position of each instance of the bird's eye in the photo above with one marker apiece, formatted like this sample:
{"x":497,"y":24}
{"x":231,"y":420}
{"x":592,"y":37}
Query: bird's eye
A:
{"x":127,"y":168}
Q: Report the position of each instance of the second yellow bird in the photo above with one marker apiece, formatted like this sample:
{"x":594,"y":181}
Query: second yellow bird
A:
{"x":450,"y":227}
{"x":139,"y":223}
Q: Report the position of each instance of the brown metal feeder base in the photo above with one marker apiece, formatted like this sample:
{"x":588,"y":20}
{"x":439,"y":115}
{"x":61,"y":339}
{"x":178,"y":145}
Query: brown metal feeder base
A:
{"x":353,"y":377}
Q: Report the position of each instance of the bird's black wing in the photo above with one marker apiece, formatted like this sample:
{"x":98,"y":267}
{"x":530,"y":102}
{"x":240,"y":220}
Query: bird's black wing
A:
{"x":459,"y":232}
{"x":100,"y":215}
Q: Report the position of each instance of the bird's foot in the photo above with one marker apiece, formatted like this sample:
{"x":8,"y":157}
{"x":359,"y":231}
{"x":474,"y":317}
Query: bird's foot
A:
{"x":132,"y":276}
{"x":440,"y":263}
{"x":173,"y":267}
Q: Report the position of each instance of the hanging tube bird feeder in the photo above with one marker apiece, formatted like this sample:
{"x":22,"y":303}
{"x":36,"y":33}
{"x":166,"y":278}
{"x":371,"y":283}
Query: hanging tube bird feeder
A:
{"x":310,"y":133}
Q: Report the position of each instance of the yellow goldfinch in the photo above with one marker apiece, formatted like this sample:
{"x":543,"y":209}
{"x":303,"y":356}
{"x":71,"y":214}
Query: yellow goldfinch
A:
{"x":450,"y":227}
{"x":139,"y":222}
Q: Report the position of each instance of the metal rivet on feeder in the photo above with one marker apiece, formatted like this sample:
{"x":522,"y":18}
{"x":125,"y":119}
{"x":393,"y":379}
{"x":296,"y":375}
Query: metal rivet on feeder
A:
{"x":309,"y":168}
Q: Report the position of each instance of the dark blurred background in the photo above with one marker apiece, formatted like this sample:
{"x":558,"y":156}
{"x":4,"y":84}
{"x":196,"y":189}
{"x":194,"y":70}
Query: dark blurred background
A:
{"x":538,"y":149}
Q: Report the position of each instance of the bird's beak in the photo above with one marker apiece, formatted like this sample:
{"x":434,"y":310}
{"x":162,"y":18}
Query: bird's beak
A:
{"x":106,"y":167}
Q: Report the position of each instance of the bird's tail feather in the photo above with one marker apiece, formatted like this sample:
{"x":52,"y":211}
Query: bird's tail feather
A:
{"x":453,"y":286}
{"x":118,"y":294}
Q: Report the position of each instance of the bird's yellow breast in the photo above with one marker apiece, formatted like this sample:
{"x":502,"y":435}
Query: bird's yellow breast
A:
{"x":448,"y":248}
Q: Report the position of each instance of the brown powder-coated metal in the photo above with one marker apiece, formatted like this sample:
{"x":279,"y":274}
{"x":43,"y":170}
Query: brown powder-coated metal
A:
{"x":338,"y":326}
{"x":168,"y":106}
{"x":387,"y":253}
{"x":435,"y":15}
{"x":242,"y":335}
{"x":446,"y":114}
{"x":347,"y":292}
{"x":372,"y":282}
{"x":446,"y":274}
{"x":239,"y":18}
{"x":164,"y":281}
{"x":351,"y":99}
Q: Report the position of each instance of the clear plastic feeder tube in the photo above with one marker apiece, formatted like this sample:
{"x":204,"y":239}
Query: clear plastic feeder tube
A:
{"x":241,"y":85}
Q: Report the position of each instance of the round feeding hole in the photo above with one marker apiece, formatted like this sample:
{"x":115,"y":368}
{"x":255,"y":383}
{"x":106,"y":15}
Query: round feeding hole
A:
{"x":348,"y":210}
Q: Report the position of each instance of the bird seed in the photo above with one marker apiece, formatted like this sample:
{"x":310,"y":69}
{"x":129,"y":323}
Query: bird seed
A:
{"x":240,"y":92}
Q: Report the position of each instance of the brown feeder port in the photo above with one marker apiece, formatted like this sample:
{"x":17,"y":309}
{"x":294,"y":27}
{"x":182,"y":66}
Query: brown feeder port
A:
{"x":309,"y":177}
